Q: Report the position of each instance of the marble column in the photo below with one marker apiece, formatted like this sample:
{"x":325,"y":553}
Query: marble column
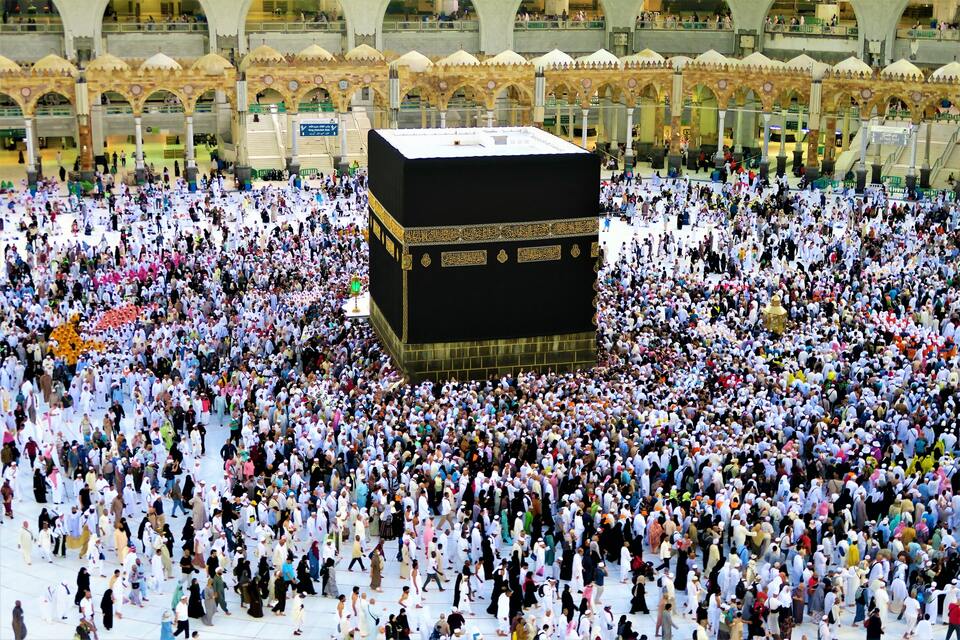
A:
{"x":718,"y":157}
{"x":583,"y":128}
{"x":191,"y":161}
{"x":32,"y":174}
{"x":141,"y":171}
{"x":925,"y":168}
{"x":765,"y":154}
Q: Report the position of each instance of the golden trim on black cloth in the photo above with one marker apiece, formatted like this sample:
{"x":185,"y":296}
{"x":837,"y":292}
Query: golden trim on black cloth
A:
{"x":477,"y":233}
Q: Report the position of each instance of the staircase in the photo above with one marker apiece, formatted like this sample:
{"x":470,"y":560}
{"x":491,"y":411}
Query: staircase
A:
{"x":948,"y":162}
{"x":317,"y":153}
{"x":943,"y":142}
{"x":263,"y":142}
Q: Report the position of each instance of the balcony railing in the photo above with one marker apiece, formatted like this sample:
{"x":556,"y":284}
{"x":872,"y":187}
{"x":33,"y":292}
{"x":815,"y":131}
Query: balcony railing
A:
{"x":158,"y":27}
{"x":396,"y":26}
{"x":949,"y":35}
{"x":335,"y":26}
{"x":40,"y":27}
{"x":837,"y":31}
{"x":679,"y":25}
{"x":570,"y":25}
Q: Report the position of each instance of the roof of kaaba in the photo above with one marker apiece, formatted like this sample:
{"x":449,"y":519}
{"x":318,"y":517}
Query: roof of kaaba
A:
{"x":476,"y":142}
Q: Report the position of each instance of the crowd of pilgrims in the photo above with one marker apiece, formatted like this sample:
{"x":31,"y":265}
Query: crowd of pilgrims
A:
{"x":743,"y":481}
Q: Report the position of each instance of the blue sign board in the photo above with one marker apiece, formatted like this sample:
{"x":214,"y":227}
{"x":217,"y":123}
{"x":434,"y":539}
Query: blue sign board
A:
{"x":319,"y":128}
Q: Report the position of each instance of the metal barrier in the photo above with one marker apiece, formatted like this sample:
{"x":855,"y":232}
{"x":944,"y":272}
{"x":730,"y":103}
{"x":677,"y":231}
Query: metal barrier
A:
{"x":838,"y":31}
{"x":568,"y":25}
{"x":397,"y":26}
{"x":949,"y":35}
{"x":37,"y":27}
{"x":159,"y":27}
{"x":279,"y":26}
{"x":678,"y":25}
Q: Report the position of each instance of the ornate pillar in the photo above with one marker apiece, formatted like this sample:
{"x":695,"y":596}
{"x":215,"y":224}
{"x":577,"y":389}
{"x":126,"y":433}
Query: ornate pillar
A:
{"x":293,"y":156}
{"x":659,"y":114}
{"x":140,"y":171}
{"x":845,"y":132}
{"x":241,"y":168}
{"x":738,"y":135}
{"x":765,"y":155}
{"x":539,"y":97}
{"x":393,"y":83}
{"x":925,"y":169}
{"x":583,"y":127}
{"x":798,"y":143}
{"x":782,"y":155}
{"x":876,"y":169}
{"x":343,"y":165}
{"x":570,"y":117}
{"x":718,"y":157}
{"x":912,"y":169}
{"x":32,"y":174}
{"x":84,"y":130}
{"x":628,"y":155}
{"x":675,"y":159}
{"x":556,"y":125}
{"x":191,"y":161}
{"x":490,"y":118}
{"x":861,"y":172}
{"x":829,"y":147}
{"x":693,"y":148}
{"x":812,"y":170}
{"x":443,"y":119}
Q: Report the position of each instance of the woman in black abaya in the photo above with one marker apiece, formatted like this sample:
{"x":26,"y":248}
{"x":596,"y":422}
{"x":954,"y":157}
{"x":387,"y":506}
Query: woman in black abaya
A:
{"x":195,"y":603}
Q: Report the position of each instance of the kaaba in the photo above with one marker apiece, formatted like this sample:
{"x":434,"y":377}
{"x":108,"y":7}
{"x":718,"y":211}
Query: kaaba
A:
{"x":483,"y":251}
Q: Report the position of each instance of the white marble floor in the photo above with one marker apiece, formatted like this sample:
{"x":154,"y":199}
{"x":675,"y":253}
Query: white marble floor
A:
{"x":29,"y":583}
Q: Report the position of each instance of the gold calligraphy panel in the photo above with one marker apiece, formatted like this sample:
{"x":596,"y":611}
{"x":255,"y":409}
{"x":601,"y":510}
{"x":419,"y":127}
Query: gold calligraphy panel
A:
{"x":474,"y":258}
{"x":539,"y":254}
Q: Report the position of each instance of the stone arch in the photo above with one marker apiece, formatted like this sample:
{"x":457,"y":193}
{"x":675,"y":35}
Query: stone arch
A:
{"x":421,"y":89}
{"x":515,"y":98}
{"x":34,"y":101}
{"x":639,"y":87}
{"x":842,"y":99}
{"x":120,"y":12}
{"x":617,"y":92}
{"x":480,"y":95}
{"x":549,"y":18}
{"x":719,"y":6}
{"x":299,"y":98}
{"x":882,"y":102}
{"x":114,"y":99}
{"x":141,"y":103}
{"x":933,"y":100}
{"x":196,"y":99}
{"x":8,"y":96}
{"x":271,"y":91}
{"x":379,"y":96}
{"x":788,"y":95}
{"x":517,"y":87}
{"x":779,"y":22}
{"x":703,"y":118}
{"x":565,"y":88}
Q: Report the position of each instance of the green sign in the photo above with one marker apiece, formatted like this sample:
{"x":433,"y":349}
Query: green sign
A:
{"x":355,"y":285}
